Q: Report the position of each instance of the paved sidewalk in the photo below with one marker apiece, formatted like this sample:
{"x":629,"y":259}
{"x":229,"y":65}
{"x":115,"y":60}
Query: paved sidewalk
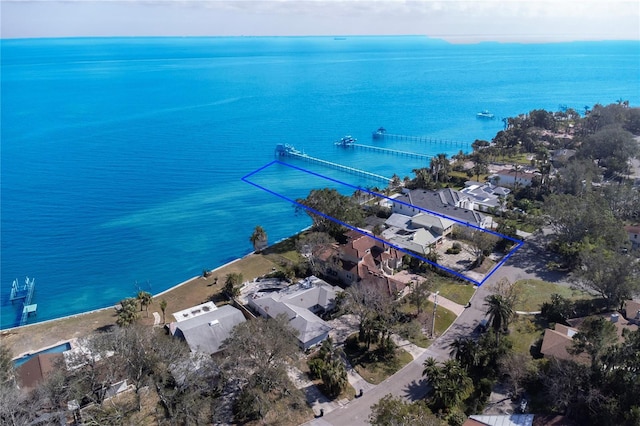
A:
{"x":356,"y":380}
{"x":414,"y":350}
{"x":448,"y":304}
{"x":316,"y":399}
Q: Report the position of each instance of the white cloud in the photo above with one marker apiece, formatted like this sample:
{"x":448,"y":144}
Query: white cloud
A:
{"x":497,"y":19}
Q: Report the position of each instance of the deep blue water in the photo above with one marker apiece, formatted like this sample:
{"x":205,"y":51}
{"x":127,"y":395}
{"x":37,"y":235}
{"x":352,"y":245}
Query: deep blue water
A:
{"x":121,"y":158}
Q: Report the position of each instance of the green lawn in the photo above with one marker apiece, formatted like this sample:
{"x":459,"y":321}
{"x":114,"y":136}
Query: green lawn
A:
{"x":522,"y":225}
{"x":533,"y":293}
{"x":421,"y":341}
{"x":455,"y":291}
{"x":482,"y":178}
{"x":524,"y":332}
{"x":283,"y":250}
{"x":444,"y":318}
{"x":373,"y":372}
{"x":511,"y":160}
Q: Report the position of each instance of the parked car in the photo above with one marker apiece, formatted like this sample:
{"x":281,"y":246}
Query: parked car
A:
{"x":483,"y":325}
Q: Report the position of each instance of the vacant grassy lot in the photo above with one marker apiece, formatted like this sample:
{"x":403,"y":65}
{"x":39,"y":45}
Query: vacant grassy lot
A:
{"x":533,"y":293}
{"x":456,"y":291}
{"x":365,"y":363}
{"x":284,"y":251}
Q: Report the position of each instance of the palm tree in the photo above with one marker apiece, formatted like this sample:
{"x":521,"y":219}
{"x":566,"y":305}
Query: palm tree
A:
{"x":145,"y":298}
{"x":516,"y":169}
{"x":163,"y":308}
{"x":450,"y":383}
{"x":334,"y":377}
{"x":454,"y":387}
{"x":127,"y":311}
{"x":258,"y":238}
{"x":395,"y":182}
{"x":232,"y":285}
{"x":431,"y":368}
{"x":466,"y":351}
{"x":500,"y":312}
{"x":440,"y":167}
{"x":423,"y":178}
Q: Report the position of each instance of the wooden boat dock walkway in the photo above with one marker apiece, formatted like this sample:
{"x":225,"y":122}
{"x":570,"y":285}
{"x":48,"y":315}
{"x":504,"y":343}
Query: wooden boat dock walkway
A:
{"x":284,"y":150}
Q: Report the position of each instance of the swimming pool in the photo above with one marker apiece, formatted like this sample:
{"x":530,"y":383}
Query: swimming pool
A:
{"x":54,"y":349}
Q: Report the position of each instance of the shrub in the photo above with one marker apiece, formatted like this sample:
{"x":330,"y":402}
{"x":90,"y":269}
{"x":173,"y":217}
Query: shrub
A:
{"x":316,"y":365}
{"x":455,"y":248}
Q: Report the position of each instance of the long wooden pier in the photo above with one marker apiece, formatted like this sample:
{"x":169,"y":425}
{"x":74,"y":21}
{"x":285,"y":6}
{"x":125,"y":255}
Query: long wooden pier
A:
{"x":285,"y":150}
{"x":381,"y":134}
{"x":387,"y":151}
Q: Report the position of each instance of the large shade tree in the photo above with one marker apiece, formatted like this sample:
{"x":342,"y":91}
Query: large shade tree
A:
{"x":613,"y":275}
{"x":326,"y":206}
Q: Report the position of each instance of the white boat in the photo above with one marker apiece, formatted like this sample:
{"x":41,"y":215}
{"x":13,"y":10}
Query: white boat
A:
{"x":485,"y":115}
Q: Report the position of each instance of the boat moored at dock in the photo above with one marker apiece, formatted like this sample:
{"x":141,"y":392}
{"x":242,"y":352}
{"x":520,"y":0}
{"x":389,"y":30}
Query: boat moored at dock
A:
{"x":379,"y":134}
{"x":346,"y":141}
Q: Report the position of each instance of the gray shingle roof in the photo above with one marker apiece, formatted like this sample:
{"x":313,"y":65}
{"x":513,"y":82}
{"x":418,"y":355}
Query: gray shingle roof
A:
{"x":431,"y":201}
{"x":205,"y":333}
{"x":296,"y":306}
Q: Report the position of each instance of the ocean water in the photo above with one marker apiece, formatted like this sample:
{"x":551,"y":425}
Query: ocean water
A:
{"x":121,"y":158}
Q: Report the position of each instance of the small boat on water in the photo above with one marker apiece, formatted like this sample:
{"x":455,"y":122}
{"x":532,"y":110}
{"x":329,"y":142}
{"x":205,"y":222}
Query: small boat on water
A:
{"x":284,"y":149}
{"x":346,"y":141}
{"x":485,"y":115}
{"x":379,"y":134}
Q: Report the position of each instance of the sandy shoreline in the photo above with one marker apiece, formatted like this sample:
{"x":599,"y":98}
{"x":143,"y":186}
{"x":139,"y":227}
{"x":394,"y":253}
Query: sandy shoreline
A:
{"x":33,"y":337}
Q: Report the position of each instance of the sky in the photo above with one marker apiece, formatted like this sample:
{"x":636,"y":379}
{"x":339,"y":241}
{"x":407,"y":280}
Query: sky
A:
{"x":458,"y":21}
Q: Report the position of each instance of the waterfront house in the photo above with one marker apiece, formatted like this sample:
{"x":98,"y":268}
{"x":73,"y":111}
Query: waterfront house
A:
{"x":300,"y":304}
{"x":369,"y":260}
{"x":205,"y":328}
{"x":509,"y":177}
{"x":485,"y":196}
{"x":447,"y":204}
{"x":35,"y":370}
{"x":419,"y":233}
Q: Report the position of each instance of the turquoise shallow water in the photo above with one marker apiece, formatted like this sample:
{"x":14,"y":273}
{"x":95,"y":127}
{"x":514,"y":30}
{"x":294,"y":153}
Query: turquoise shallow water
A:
{"x":121,"y":159}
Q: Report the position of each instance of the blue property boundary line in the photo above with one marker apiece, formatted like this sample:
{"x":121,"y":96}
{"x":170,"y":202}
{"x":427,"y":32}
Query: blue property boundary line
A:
{"x":518,"y":243}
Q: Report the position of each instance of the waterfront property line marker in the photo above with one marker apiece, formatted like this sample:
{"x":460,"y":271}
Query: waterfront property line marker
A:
{"x":518,"y":243}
